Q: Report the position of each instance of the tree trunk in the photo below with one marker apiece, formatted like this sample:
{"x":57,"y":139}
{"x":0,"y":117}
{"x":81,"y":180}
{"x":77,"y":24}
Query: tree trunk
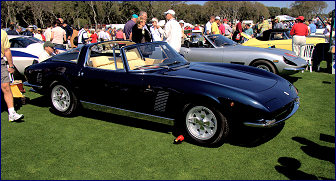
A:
{"x":94,"y":13}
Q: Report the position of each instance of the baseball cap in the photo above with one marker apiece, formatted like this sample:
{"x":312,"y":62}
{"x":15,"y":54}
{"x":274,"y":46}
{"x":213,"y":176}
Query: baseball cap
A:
{"x":170,"y":12}
{"x":48,"y":44}
{"x":300,"y":17}
{"x":217,"y":17}
{"x":135,"y":16}
{"x":225,"y":20}
{"x":181,"y":21}
{"x":154,"y":19}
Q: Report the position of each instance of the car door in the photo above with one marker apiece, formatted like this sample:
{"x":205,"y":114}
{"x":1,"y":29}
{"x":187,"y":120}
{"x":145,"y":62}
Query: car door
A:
{"x":204,"y":53}
{"x":105,"y":80}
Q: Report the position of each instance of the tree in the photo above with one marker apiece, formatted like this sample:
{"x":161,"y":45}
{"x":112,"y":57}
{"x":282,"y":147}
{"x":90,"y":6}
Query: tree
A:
{"x":285,"y":11}
{"x":274,"y":11}
{"x":308,"y":9}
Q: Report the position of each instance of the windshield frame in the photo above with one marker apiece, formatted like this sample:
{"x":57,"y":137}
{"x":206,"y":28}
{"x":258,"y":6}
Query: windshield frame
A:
{"x":230,"y":42}
{"x":175,"y":61}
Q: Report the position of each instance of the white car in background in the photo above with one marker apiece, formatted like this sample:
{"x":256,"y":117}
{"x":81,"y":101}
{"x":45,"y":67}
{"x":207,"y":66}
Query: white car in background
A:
{"x":25,"y":49}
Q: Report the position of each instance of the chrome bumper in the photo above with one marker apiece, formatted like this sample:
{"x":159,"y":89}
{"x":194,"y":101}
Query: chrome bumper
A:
{"x":32,"y":85}
{"x":290,"y":71}
{"x":262,"y":123}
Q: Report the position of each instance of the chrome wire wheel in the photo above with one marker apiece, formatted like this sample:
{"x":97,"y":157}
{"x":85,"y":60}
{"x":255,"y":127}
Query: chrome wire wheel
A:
{"x":60,"y":98}
{"x":201,"y":122}
{"x":264,"y":67}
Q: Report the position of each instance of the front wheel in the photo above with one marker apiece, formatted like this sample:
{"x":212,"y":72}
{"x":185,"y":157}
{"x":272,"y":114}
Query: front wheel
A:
{"x":264,"y":65}
{"x":63,"y":100}
{"x":205,"y":125}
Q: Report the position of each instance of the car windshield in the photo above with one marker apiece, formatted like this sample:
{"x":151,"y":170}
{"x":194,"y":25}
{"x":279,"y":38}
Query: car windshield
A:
{"x":220,"y":40}
{"x":152,"y":55}
{"x":23,"y":42}
{"x":71,"y":56}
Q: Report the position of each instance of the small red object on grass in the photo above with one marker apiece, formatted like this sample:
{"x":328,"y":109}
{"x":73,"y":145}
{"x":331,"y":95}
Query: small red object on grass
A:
{"x":179,"y":139}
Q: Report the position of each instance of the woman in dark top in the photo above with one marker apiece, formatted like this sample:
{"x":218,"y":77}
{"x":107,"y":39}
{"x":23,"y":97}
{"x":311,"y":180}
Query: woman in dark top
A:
{"x":139,"y":34}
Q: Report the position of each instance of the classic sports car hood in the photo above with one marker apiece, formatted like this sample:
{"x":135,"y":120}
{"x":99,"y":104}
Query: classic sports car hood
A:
{"x":253,"y":81}
{"x":263,"y":87}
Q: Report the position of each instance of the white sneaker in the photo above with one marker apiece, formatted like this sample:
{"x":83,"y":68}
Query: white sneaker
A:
{"x":15,"y":117}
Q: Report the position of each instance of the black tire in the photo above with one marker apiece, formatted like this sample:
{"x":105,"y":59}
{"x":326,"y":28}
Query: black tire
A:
{"x":62,"y":99}
{"x":216,"y":130}
{"x":264,"y":65}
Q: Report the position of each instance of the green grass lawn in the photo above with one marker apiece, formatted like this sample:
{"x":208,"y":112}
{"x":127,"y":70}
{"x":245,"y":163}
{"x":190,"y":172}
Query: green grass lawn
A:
{"x":94,"y":145}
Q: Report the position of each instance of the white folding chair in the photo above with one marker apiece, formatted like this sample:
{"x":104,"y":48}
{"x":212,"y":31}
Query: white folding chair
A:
{"x":308,"y":54}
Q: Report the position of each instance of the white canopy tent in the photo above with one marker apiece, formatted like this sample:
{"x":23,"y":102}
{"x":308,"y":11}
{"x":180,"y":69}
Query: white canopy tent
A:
{"x":285,"y":18}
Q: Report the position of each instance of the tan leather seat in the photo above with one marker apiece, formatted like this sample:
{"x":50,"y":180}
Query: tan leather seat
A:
{"x":134,"y":60}
{"x":102,"y":62}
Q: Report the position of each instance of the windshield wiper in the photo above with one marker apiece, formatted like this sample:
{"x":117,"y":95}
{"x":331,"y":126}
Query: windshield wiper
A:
{"x":173,"y":63}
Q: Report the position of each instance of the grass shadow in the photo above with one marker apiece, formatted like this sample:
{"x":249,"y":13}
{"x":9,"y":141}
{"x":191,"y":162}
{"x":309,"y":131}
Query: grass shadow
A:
{"x":290,"y":168}
{"x":127,"y":121}
{"x":291,"y":79}
{"x":315,"y":150}
{"x":253,"y":137}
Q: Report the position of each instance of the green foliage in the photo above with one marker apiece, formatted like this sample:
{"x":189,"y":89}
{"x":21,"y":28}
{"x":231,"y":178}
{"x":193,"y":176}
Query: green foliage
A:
{"x":39,"y":13}
{"x":274,"y":11}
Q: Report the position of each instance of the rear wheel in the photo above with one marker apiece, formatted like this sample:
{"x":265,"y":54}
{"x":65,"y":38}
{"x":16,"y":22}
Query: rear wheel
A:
{"x":264,"y":65}
{"x":205,"y":125}
{"x":63,"y":100}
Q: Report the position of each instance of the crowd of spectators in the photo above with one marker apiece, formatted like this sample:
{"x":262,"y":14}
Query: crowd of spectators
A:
{"x":139,"y":30}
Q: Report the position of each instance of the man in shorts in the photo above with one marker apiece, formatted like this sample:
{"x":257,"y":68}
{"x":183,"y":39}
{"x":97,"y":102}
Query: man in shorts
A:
{"x":5,"y":86}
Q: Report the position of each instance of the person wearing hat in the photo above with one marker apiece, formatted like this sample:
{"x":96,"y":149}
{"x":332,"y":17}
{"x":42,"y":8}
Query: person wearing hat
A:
{"x":172,"y":31}
{"x":278,"y":24}
{"x":156,"y":30}
{"x":29,"y":31}
{"x":48,"y":52}
{"x":38,"y":34}
{"x":183,"y":36}
{"x":129,"y":25}
{"x":228,"y":29}
{"x":299,"y":32}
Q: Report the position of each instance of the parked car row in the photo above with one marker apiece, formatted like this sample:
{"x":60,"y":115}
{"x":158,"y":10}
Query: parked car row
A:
{"x":207,"y":100}
{"x":218,"y":48}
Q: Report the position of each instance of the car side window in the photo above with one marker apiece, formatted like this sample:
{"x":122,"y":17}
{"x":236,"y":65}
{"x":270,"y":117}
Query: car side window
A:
{"x":71,"y":56}
{"x":104,"y":56}
{"x":15,"y":43}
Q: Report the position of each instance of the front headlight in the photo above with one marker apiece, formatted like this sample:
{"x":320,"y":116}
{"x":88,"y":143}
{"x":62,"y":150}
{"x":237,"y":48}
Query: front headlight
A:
{"x":288,"y":61}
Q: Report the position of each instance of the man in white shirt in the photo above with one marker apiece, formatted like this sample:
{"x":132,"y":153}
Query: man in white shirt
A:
{"x":172,"y":31}
{"x":48,"y":51}
{"x":208,"y":25}
{"x":83,"y":36}
{"x":228,"y":29}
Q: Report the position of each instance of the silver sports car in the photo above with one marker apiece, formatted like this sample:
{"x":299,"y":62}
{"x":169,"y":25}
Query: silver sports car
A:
{"x":217,"y":48}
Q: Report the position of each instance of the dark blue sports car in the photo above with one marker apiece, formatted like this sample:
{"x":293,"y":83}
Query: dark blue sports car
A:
{"x":205,"y":99}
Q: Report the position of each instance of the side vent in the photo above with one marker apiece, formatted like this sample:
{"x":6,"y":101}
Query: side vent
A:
{"x":161,"y":101}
